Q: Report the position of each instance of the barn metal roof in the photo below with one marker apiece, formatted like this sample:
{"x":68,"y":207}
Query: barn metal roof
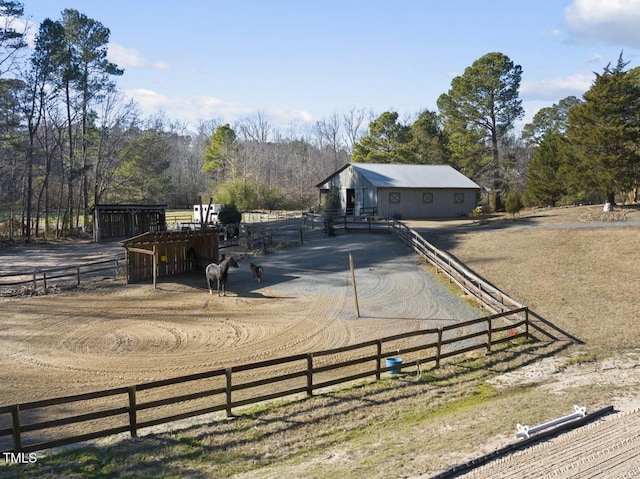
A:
{"x":386,"y":175}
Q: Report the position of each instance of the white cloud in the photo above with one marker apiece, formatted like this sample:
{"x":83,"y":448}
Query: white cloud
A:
{"x":203,"y":108}
{"x":131,"y":58}
{"x":612,"y":22}
{"x":555,"y":89}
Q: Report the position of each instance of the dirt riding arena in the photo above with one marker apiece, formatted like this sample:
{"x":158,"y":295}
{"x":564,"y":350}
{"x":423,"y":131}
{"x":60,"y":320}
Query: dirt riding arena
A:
{"x":109,"y":334}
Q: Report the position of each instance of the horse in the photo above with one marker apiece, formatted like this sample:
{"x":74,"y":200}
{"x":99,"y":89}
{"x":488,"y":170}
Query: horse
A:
{"x":256,"y":271}
{"x":219,"y":273}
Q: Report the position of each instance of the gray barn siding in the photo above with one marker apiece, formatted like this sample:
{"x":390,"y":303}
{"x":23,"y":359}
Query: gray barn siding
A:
{"x":412,"y":206}
{"x":351,"y":179}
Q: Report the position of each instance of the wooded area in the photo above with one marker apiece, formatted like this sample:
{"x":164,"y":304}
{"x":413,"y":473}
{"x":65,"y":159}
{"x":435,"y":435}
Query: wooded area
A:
{"x":71,"y":140}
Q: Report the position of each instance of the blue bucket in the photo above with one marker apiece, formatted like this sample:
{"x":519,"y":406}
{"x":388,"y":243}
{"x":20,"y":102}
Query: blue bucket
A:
{"x":391,"y":362}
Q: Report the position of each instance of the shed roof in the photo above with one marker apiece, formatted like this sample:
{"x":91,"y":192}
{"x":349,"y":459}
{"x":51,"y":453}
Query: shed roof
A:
{"x":128,"y":207}
{"x":387,"y":175}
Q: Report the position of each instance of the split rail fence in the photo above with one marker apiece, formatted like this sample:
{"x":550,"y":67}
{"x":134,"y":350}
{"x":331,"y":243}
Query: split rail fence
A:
{"x":489,"y":296}
{"x":45,"y":424}
{"x":72,"y":274}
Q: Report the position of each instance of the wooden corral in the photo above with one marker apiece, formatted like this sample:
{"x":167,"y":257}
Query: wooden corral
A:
{"x":125,"y":221}
{"x":168,"y":253}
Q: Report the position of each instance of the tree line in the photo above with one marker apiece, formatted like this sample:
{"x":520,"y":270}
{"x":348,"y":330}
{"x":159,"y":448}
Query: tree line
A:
{"x":71,"y":140}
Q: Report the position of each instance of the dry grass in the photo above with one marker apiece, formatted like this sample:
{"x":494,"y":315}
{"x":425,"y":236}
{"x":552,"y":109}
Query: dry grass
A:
{"x":583,"y":280}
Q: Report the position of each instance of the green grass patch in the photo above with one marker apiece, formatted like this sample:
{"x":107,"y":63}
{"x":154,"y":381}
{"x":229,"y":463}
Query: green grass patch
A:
{"x":589,"y":357}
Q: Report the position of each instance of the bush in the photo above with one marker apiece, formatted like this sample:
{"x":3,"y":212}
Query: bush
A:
{"x":514,"y":202}
{"x":333,"y":201}
{"x":229,"y":215}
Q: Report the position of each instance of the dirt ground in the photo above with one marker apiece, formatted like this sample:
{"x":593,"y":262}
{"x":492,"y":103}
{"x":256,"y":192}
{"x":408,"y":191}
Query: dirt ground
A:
{"x":109,"y":334}
{"x":579,"y":277}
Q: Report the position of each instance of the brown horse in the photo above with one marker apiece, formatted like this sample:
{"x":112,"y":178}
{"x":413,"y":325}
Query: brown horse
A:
{"x":219,"y":273}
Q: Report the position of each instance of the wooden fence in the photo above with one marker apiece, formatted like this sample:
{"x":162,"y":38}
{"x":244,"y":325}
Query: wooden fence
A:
{"x":52,"y":276}
{"x":489,"y":296}
{"x":51,"y":423}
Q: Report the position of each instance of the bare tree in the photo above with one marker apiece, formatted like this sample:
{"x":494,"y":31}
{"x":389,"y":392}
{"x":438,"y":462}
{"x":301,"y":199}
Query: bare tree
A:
{"x":117,"y":118}
{"x":254,"y":128}
{"x":355,"y":127}
{"x":330,"y":133}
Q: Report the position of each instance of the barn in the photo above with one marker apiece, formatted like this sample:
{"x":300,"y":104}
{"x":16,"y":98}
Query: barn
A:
{"x":401,"y":191}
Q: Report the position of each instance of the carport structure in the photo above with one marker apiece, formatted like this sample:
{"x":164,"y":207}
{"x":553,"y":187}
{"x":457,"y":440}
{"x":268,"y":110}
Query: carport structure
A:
{"x":125,"y":221}
{"x":167,"y":253}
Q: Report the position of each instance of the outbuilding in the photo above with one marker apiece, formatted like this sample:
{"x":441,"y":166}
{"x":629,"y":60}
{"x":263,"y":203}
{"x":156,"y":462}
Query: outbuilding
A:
{"x":125,"y":221}
{"x":168,"y":253}
{"x":402,"y":191}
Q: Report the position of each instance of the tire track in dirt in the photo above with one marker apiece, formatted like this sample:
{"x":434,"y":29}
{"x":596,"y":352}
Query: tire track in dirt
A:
{"x":127,"y":334}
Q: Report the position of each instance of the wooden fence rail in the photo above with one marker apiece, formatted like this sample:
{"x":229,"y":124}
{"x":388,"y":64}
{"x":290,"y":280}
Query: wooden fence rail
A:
{"x":45,"y":424}
{"x":50,"y":423}
{"x":45,"y":276}
{"x":489,"y":296}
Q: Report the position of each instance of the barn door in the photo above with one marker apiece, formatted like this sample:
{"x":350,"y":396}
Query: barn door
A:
{"x":351,"y":200}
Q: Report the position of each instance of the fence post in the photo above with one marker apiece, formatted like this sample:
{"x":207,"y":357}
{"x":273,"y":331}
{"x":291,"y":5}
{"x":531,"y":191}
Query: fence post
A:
{"x":44,"y":281}
{"x":526,"y":323}
{"x":155,"y":266}
{"x":133,"y":414}
{"x":439,"y":347}
{"x":489,"y":334}
{"x":378,"y":359}
{"x":228,"y":407}
{"x":15,"y":427}
{"x":78,"y":272}
{"x":310,"y":374}
{"x":35,"y":284}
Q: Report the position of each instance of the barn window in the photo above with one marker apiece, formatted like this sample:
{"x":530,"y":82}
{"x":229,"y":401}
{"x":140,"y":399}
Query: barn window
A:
{"x":394,"y":197}
{"x":458,"y":197}
{"x":427,"y":197}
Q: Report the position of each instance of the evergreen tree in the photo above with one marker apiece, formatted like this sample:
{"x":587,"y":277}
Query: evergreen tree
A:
{"x":513,"y":203}
{"x":603,"y":135}
{"x":12,"y":40}
{"x":142,"y":177}
{"x":387,"y":141}
{"x":428,"y":144}
{"x":551,"y":119}
{"x":229,"y":214}
{"x":479,"y":110}
{"x":545,"y":185}
{"x":221,"y":153}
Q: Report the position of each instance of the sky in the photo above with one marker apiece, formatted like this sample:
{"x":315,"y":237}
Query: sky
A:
{"x":297,"y":62}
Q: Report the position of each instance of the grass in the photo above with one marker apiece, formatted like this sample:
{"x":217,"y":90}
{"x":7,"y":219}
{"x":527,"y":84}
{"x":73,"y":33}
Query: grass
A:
{"x":586,"y":357}
{"x":367,"y":430}
{"x":582,"y":280}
